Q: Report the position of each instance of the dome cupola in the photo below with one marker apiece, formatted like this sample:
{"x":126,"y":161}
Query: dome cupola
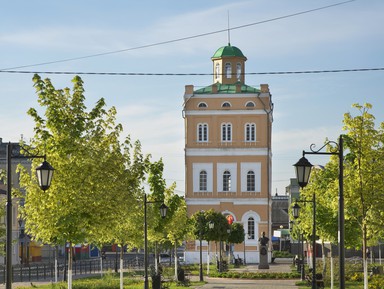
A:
{"x":228,"y":65}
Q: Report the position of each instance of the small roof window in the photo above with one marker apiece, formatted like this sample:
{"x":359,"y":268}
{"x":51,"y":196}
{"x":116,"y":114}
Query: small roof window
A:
{"x":250,"y":104}
{"x":226,"y":104}
{"x":202,"y":104}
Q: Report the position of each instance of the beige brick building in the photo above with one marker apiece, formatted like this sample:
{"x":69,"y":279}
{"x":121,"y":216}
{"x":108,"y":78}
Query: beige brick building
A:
{"x":228,"y":151}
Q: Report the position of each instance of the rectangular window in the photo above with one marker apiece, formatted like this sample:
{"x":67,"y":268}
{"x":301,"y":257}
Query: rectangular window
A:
{"x":202,"y":132}
{"x":226,"y":132}
{"x":203,"y":181}
{"x":251,"y":181}
{"x":250,"y":132}
{"x":251,"y":229}
{"x":226,"y":181}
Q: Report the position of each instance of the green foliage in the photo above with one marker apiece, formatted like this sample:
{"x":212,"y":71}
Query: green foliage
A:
{"x":256,"y":275}
{"x":282,"y":254}
{"x":376,"y":282}
{"x":237,"y":233}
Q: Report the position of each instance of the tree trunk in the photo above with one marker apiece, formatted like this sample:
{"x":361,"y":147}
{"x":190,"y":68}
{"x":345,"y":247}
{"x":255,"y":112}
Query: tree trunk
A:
{"x":121,"y":266}
{"x":365,"y":263}
{"x":332,"y":274}
{"x":176,"y":263}
{"x":324,"y":258}
{"x":70,"y":262}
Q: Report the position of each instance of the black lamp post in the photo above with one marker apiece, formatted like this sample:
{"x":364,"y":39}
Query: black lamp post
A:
{"x":296,"y":211}
{"x":201,"y":246}
{"x":163,"y":212}
{"x":303,"y":171}
{"x":211,"y":225}
{"x":44,"y":176}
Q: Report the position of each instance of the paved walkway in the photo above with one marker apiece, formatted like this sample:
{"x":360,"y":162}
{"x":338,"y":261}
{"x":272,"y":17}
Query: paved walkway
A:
{"x":280,"y":265}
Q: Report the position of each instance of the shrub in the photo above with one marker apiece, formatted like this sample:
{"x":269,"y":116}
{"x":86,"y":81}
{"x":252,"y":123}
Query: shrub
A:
{"x":376,"y":282}
{"x":282,"y":254}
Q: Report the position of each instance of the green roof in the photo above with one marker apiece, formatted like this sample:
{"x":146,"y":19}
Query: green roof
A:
{"x":227,"y":88}
{"x":228,"y":51}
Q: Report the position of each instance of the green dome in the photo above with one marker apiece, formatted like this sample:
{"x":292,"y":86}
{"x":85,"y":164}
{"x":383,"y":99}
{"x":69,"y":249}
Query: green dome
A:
{"x":228,"y":51}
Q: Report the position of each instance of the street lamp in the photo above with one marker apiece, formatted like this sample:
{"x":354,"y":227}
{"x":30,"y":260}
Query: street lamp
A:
{"x":163,"y":212}
{"x":296,"y":212}
{"x":44,"y":176}
{"x":211,"y":225}
{"x":201,"y":218}
{"x":245,"y":238}
{"x":303,"y":170}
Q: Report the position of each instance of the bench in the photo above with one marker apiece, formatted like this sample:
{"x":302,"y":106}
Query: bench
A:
{"x":238,"y":262}
{"x":319,"y":280}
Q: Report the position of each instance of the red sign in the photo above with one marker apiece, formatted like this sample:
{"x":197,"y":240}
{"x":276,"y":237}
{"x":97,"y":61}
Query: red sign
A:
{"x":230,"y":219}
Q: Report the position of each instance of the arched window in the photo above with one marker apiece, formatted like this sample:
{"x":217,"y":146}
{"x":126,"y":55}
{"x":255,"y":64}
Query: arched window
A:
{"x":238,"y":71}
{"x":251,"y":181}
{"x":226,"y":132}
{"x":202,"y":104}
{"x":226,"y":104}
{"x":250,"y":132}
{"x":226,"y":181}
{"x":217,"y":70}
{"x":228,"y":70}
{"x":203,"y":181}
{"x":251,"y":228}
{"x":202,"y":132}
{"x":250,"y":104}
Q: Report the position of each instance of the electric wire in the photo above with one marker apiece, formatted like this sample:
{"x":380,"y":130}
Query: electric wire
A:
{"x":192,"y":74}
{"x":178,"y":39}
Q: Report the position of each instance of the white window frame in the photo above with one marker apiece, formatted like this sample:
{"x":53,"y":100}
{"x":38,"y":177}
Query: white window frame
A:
{"x":227,"y":181}
{"x":203,"y":181}
{"x":238,"y":71}
{"x":202,"y":132}
{"x":226,"y":132}
{"x":228,"y":70}
{"x":250,"y":132}
{"x":217,"y":70}
{"x":244,"y":169}
{"x":251,"y":181}
{"x":257,"y":221}
{"x":250,"y":104}
{"x":221,"y":168}
{"x":196,"y":169}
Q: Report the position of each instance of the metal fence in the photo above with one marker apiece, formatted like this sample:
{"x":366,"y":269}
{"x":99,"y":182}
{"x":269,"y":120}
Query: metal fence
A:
{"x":46,"y":271}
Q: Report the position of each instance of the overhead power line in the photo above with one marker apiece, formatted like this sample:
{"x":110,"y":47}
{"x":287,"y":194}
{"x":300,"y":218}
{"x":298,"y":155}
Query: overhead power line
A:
{"x":179,"y":39}
{"x":192,"y":74}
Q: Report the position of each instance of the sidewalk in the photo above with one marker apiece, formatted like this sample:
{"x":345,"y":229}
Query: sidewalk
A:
{"x":280,"y":265}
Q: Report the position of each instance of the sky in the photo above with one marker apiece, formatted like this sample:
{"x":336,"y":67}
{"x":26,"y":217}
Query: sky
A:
{"x":106,"y":36}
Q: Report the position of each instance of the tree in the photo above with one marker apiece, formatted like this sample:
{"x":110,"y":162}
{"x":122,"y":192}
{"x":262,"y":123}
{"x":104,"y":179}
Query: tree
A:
{"x":237,"y":233}
{"x":219,"y":232}
{"x":178,"y":224}
{"x":364,"y":193}
{"x":83,"y":148}
{"x":363,"y":185}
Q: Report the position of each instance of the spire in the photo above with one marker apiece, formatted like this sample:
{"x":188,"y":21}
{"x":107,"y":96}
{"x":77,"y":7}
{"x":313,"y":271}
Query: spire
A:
{"x":229,"y":30}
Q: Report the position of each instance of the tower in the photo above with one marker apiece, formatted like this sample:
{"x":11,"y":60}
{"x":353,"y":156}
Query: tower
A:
{"x":228,"y":150}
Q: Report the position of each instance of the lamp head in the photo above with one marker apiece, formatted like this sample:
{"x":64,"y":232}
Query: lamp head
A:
{"x":296,"y":210}
{"x":303,"y":171}
{"x":163,"y":210}
{"x":44,"y":175}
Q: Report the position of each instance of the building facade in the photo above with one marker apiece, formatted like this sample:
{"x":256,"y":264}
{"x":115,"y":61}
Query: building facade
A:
{"x":228,"y":151}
